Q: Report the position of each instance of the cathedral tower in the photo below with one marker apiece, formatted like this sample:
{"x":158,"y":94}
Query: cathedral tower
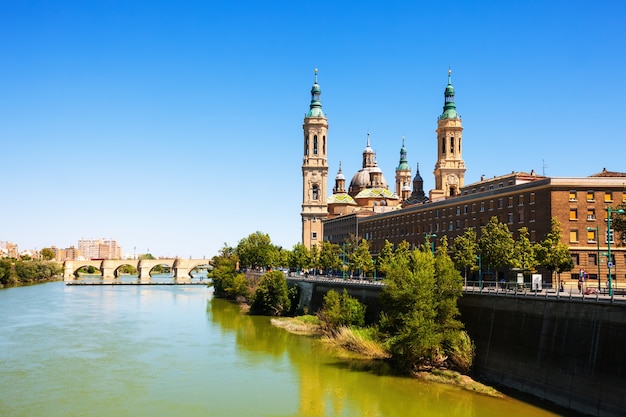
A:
{"x":450,"y":167}
{"x":314,"y":170}
{"x":403,"y":175}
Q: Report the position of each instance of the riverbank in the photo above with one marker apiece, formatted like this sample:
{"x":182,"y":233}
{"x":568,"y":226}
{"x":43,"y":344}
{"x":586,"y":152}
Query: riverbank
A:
{"x":349,"y":344}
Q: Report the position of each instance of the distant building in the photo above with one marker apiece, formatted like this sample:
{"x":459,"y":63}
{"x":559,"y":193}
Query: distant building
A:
{"x":67,"y":254}
{"x":8,"y":250}
{"x":99,"y":249}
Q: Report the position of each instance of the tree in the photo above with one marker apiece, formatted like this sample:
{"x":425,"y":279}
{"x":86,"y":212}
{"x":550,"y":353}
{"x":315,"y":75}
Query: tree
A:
{"x":257,"y":251}
{"x":496,"y":244}
{"x":552,"y":253}
{"x":618,"y":223}
{"x":524,"y":252}
{"x":384,"y":257}
{"x":408,"y":321}
{"x":464,"y":250}
{"x":341,"y":310}
{"x":47,"y":254}
{"x":329,"y":256}
{"x":226,"y":281}
{"x":360,"y":259}
{"x":271,"y":296}
{"x":299,"y":257}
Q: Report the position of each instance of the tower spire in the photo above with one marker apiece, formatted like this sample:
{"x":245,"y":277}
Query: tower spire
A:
{"x":449,"y":108}
{"x":315,"y":108}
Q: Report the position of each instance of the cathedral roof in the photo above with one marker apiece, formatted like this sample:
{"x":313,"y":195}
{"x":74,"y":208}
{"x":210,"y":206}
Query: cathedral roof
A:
{"x":404,"y":163}
{"x":376,"y":193}
{"x":341,"y":199}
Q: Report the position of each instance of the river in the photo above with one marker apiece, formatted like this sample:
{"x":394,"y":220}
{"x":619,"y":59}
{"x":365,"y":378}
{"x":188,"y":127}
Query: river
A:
{"x":177,"y":351}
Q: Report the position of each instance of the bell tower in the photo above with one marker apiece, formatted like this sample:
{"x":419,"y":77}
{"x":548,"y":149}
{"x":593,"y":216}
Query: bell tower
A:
{"x":403,"y":175}
{"x":314,"y":170}
{"x":450,"y":167}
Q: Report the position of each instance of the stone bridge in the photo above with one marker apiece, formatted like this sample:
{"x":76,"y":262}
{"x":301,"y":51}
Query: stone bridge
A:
{"x":181,"y":268}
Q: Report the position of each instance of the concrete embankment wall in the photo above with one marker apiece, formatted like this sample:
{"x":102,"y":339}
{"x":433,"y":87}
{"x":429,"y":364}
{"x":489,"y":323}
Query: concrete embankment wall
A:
{"x":572,"y":353}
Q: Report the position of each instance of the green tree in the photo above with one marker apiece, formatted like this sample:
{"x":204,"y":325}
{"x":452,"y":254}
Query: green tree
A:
{"x":8,"y":276}
{"x":257,"y":251}
{"x":408,"y":320}
{"x":341,"y":310}
{"x":329,"y":256}
{"x":524,"y":252}
{"x":299,"y":257}
{"x":314,"y":258}
{"x":360,"y":260}
{"x":226,"y":280}
{"x":47,"y":254}
{"x":496,"y":244}
{"x":464,"y":251}
{"x":271,"y":296}
{"x":618,"y":224}
{"x":384,"y":257}
{"x":552,"y":253}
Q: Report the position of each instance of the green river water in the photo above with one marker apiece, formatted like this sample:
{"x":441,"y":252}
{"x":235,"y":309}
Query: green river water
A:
{"x":177,"y":351}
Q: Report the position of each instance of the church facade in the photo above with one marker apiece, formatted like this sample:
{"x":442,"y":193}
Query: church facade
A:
{"x":368,"y":209}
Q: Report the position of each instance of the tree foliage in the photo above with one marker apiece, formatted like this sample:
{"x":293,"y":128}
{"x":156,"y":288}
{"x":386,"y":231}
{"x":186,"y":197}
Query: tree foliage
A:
{"x":271,"y":296}
{"x":360,"y":260}
{"x":420,"y":321}
{"x":226,"y":280}
{"x":496,"y":244}
{"x":524,"y":256}
{"x":341,"y":310}
{"x":552,"y":253}
{"x":46,"y":254}
{"x":257,"y":251}
{"x":464,"y":250}
{"x":16,"y":272}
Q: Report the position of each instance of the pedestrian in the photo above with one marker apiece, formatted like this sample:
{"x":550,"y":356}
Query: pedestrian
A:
{"x":580,"y":285}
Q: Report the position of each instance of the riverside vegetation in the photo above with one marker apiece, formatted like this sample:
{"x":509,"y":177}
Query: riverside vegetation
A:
{"x":419,"y":332}
{"x":14,"y":272}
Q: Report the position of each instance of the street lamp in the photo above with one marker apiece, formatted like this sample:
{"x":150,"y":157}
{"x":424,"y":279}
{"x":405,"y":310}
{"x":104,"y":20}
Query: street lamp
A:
{"x":609,"y":235}
{"x":432,"y":243}
{"x":597,"y":236}
{"x":480,"y":272}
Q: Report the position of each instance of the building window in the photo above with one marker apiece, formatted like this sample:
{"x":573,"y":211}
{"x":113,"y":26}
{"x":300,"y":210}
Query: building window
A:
{"x":590,"y":196}
{"x":316,"y":192}
{"x":450,"y":226}
{"x":482,"y":206}
{"x":591,"y":214}
{"x":500,"y":203}
{"x":592,"y":259}
{"x":490,"y":205}
{"x":313,"y":235}
{"x":575,"y":259}
{"x":572,"y":196}
{"x":531,"y":217}
{"x":533,"y":234}
{"x":591,"y":236}
{"x":510,"y":218}
{"x":458,"y":210}
{"x":608,"y":197}
{"x":511,"y":201}
{"x":573,"y":214}
{"x":315,"y":145}
{"x":521,"y":216}
{"x":465,"y":209}
{"x":610,"y":236}
{"x":573,"y":236}
{"x":532,"y":198}
{"x":521,"y":199}
{"x":306,"y":147}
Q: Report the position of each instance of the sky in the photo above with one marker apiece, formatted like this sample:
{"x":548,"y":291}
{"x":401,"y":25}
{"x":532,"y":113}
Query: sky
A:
{"x":176,"y":127}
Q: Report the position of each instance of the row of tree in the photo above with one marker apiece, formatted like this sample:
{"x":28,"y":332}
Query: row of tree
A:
{"x":495,"y":246}
{"x":26,"y":271}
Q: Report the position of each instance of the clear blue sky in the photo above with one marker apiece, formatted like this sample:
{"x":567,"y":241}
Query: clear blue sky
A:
{"x":176,"y":127}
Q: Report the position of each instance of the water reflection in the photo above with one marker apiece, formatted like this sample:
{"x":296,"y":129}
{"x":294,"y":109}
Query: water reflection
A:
{"x":328,"y":386}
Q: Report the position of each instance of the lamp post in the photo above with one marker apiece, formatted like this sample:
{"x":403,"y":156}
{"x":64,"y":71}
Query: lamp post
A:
{"x":480,"y":272}
{"x":597,"y":230}
{"x":432,"y":243}
{"x":609,"y":236}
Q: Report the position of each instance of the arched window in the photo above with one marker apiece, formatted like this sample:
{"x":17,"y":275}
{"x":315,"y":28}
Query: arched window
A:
{"x":316,"y":192}
{"x":306,"y":147}
{"x":451,"y":145}
{"x":324,"y":145}
{"x":315,"y":145}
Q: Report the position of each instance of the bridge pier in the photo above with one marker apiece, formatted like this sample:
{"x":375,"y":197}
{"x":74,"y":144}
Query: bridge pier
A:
{"x":143,"y":269}
{"x":108,"y":269}
{"x":68,"y":271}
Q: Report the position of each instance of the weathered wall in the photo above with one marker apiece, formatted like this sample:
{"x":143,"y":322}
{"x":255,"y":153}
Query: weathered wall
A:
{"x":571,"y":353}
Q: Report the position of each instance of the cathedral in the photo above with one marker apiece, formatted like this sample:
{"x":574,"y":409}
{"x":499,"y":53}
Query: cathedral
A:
{"x":368,"y":192}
